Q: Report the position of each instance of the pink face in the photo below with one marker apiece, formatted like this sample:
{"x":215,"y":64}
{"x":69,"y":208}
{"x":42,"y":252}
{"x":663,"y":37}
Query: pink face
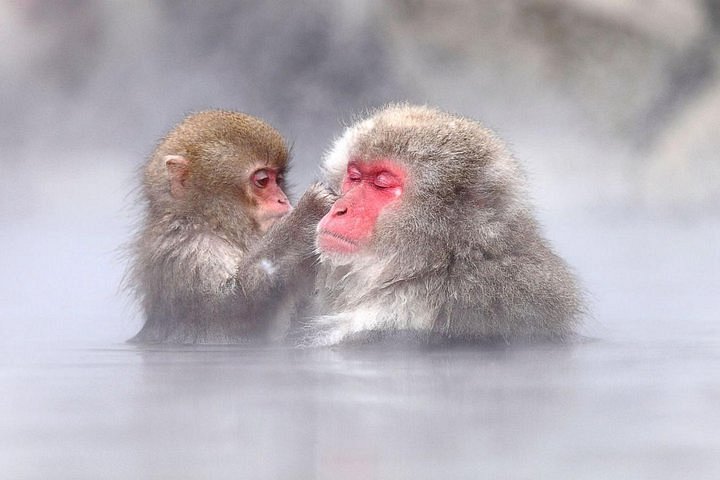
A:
{"x":367,"y":189}
{"x":272,"y":203}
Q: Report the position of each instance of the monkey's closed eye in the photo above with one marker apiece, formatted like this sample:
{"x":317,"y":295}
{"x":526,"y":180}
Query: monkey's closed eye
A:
{"x":385,"y":180}
{"x":261,"y":178}
{"x":354,"y":174}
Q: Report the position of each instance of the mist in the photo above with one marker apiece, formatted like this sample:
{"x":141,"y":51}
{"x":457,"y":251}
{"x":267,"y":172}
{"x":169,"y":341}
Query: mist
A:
{"x":612,"y":107}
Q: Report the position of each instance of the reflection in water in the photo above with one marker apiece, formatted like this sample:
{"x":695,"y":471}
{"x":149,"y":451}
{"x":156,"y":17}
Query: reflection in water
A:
{"x":571,"y":90}
{"x":590,"y":410}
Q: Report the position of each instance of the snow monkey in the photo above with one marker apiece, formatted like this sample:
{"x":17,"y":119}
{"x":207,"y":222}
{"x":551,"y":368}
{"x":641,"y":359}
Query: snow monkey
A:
{"x":433,"y":236}
{"x":220,"y":253}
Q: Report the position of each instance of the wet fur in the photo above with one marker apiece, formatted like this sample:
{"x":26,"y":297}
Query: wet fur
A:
{"x":462,"y":258}
{"x":200,"y":268}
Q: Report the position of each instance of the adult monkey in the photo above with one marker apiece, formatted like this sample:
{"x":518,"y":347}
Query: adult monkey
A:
{"x":220,"y":257}
{"x":433,"y":235}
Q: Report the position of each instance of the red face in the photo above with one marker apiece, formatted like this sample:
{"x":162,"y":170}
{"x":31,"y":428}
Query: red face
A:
{"x":367,"y":189}
{"x":272,"y":203}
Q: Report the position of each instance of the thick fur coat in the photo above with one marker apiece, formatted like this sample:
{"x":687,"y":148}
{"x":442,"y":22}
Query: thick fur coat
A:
{"x":462,"y":257}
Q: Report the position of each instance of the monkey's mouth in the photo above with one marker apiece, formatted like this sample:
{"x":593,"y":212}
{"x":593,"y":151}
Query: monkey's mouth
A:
{"x":334,"y":242}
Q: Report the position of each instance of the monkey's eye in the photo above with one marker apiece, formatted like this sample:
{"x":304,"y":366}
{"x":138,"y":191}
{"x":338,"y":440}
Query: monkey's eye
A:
{"x":354,"y":174}
{"x":261,"y":178}
{"x":385,"y":180}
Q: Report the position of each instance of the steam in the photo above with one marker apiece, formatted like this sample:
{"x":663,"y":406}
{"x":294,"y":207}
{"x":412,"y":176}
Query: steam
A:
{"x":589,"y":94}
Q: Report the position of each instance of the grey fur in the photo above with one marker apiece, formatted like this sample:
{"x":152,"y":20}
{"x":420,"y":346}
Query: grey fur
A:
{"x":462,"y":257}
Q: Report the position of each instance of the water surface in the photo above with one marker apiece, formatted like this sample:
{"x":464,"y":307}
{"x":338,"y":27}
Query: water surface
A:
{"x":596,"y":409}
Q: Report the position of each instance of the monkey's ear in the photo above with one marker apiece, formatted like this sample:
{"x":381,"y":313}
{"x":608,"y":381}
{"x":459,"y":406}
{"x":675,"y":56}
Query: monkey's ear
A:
{"x":177,"y":168}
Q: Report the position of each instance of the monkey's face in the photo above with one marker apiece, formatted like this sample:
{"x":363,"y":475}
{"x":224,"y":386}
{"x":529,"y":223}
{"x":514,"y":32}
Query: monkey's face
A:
{"x":268,"y":199}
{"x":368,"y":188}
{"x":229,"y":188}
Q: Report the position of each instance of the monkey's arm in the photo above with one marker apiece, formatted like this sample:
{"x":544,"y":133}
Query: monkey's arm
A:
{"x":283,"y":253}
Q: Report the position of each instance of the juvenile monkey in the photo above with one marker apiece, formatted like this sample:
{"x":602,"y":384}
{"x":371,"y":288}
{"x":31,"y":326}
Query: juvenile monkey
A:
{"x":433,"y":235}
{"x":220,"y":250}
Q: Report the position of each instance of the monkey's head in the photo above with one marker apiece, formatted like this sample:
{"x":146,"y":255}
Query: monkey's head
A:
{"x":223,"y":168}
{"x":417,"y":184}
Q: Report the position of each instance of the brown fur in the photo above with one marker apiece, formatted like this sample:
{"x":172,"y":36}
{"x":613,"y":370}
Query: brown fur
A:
{"x":201,"y":269}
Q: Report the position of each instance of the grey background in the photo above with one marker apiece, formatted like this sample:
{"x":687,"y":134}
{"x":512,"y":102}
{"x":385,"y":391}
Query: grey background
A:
{"x":612,"y":106}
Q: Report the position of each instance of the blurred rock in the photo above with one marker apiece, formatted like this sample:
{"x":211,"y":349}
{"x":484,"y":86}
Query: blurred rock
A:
{"x":586,"y":91}
{"x":624,"y":76}
{"x":684,"y":167}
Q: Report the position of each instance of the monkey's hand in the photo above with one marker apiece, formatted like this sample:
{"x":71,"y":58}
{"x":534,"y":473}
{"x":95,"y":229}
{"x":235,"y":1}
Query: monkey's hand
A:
{"x":315,"y":202}
{"x":300,"y":225}
{"x":288,"y":244}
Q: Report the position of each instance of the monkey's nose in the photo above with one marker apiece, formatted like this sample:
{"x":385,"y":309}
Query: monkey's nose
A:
{"x":341,"y":211}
